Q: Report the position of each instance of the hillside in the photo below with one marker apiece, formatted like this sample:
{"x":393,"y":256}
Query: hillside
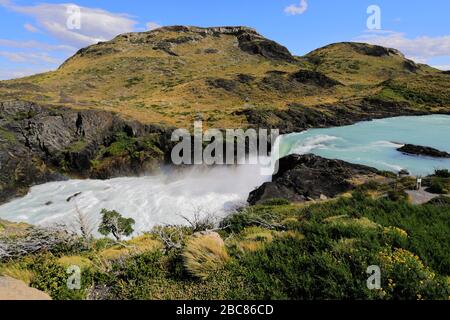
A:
{"x":171,"y":74}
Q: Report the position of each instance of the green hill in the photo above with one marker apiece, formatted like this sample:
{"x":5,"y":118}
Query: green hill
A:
{"x":170,"y":74}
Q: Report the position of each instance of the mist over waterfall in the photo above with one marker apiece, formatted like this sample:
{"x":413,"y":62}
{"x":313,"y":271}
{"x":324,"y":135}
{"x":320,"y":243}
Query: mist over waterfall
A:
{"x":150,"y":200}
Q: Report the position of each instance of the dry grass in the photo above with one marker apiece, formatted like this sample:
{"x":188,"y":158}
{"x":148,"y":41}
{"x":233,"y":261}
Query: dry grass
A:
{"x":12,"y":229}
{"x":82,"y":262}
{"x":135,"y":246}
{"x":17,"y":272}
{"x":345,"y":220}
{"x":204,"y":254}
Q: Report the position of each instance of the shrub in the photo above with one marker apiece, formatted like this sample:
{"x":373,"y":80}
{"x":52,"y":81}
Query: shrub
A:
{"x":406,"y":277}
{"x":442,"y":173}
{"x":51,"y":277}
{"x":286,"y":269}
{"x":369,"y":186}
{"x":436,"y":187}
{"x":204,"y":254}
{"x":113,"y":223}
{"x":397,"y":195}
{"x":275,"y":202}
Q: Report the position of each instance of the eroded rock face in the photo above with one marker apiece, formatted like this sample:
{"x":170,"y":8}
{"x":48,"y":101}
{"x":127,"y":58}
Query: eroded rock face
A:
{"x":314,"y":78}
{"x":412,"y":149}
{"x":256,"y":44}
{"x":309,"y":177}
{"x":38,"y":144}
{"x":374,"y":50}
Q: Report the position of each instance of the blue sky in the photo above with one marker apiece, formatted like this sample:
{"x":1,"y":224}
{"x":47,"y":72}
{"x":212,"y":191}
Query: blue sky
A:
{"x":34,"y":36}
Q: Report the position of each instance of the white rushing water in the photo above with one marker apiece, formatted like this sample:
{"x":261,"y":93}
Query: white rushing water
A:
{"x":165,"y":198}
{"x":150,"y":200}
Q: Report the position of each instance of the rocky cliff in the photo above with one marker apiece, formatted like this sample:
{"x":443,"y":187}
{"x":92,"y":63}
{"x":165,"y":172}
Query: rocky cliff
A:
{"x":309,"y":177}
{"x":40,"y":144}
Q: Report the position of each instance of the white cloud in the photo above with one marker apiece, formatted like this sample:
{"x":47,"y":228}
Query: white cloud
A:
{"x":444,"y":67}
{"x":32,"y":44}
{"x":20,"y":72}
{"x":30,"y":27}
{"x":55,"y":20}
{"x":294,"y":10}
{"x":152,"y":25}
{"x":95,"y":24}
{"x":419,"y":49}
{"x":29,"y":57}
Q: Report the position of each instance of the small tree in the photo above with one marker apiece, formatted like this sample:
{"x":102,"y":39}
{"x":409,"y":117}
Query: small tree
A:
{"x":114,"y":223}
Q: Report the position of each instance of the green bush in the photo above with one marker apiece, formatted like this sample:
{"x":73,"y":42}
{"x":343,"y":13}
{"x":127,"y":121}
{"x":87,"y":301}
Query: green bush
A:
{"x":370,"y":185}
{"x":276,"y":202}
{"x":287,"y":270}
{"x":52,"y":278}
{"x":442,"y":173}
{"x":440,"y":201}
{"x":397,"y":195}
{"x":436,"y":187}
{"x":405,"y":277}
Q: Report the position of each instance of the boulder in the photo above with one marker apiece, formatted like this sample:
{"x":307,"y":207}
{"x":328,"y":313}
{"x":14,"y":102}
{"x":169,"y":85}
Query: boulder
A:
{"x":12,"y":289}
{"x":416,"y":150}
{"x":309,"y":177}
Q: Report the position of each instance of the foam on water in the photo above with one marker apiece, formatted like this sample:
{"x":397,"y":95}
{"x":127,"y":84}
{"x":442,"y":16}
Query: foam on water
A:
{"x":152,"y":200}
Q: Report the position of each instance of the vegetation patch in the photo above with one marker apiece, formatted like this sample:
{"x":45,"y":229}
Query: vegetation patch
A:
{"x":204,"y":254}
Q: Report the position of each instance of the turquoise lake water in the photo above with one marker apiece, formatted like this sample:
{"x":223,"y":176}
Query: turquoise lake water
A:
{"x":374,"y":143}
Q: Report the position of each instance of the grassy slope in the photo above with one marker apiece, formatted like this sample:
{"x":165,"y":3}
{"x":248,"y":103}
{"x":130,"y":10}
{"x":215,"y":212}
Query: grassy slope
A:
{"x":272,"y":251}
{"x":128,"y":76}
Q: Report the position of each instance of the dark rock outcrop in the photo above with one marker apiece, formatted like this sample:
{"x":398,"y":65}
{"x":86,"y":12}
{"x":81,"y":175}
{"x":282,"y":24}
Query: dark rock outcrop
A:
{"x":412,"y":149}
{"x":39,"y":144}
{"x":309,"y":177}
{"x":442,"y":201}
{"x":255,"y":44}
{"x":373,"y":50}
{"x":314,"y":78}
